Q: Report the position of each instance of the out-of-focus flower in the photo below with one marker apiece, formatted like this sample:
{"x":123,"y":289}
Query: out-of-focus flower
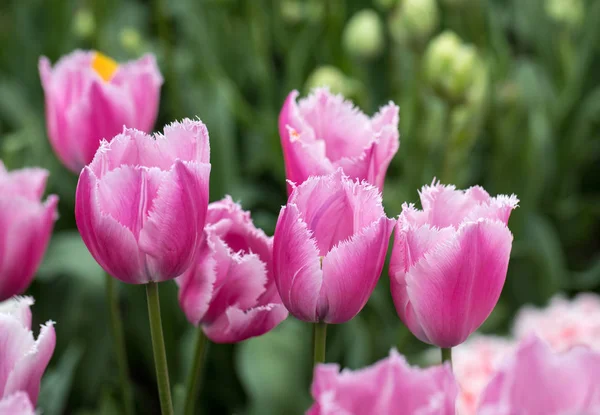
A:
{"x":141,"y":203}
{"x":386,"y":4}
{"x":414,"y":21}
{"x":332,"y":78}
{"x":388,"y":387}
{"x":131,"y":39}
{"x":90,"y":97}
{"x":230,"y":291}
{"x":296,"y":11}
{"x":23,"y":359}
{"x":25,"y":227}
{"x":537,"y":380}
{"x":84,"y":23}
{"x":330,"y":244}
{"x":324,"y":132}
{"x":452,"y":67}
{"x":363,"y":35}
{"x":566,"y":12}
{"x":449,"y":261}
{"x":563,"y":323}
{"x":16,"y":404}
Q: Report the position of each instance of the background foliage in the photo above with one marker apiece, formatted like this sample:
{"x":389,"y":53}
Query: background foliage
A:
{"x":517,"y":112}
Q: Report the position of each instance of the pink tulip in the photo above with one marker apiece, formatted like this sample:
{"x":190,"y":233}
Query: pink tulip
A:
{"x":230,"y":290}
{"x":449,"y":262}
{"x":90,"y":97}
{"x":141,"y":203}
{"x":324,"y":132}
{"x":25,"y":227}
{"x":539,"y":381}
{"x":16,"y":404}
{"x":389,"y":387}
{"x":330,"y":245}
{"x":23,"y":360}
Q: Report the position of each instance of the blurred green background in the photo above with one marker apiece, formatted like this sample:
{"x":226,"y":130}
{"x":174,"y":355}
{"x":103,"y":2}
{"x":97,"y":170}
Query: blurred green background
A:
{"x":502,"y":93}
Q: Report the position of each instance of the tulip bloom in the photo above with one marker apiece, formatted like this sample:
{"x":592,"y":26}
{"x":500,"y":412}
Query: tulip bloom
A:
{"x":230,"y":291}
{"x":330,"y":245}
{"x":324,"y":132}
{"x":16,"y":404}
{"x":90,"y":97}
{"x":537,"y":380}
{"x":23,"y":360}
{"x":141,"y":203}
{"x":449,"y":262}
{"x":389,"y":387}
{"x":25,"y":227}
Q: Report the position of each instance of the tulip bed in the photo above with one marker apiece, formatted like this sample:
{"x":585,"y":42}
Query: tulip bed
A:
{"x":330,"y":208}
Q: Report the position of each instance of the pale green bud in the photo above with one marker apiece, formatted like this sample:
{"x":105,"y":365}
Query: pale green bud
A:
{"x":331,"y":77}
{"x":363,"y":35}
{"x":84,"y":23}
{"x":131,"y":39}
{"x":567,"y":12}
{"x":414,"y":20}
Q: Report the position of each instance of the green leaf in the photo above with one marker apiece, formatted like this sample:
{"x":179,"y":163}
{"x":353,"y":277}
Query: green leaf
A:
{"x":57,"y":381}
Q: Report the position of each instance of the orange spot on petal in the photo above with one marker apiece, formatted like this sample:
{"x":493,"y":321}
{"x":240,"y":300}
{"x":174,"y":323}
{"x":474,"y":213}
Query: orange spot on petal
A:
{"x":104,"y":66}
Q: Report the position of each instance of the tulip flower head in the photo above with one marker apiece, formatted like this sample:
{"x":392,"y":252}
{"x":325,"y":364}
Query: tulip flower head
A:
{"x":389,"y":387}
{"x":230,"y":290}
{"x":324,"y":132}
{"x":25,"y":227}
{"x":23,"y":359}
{"x":329,"y":248}
{"x":90,"y":97}
{"x":537,"y":380}
{"x":449,"y":262}
{"x":141,"y":203}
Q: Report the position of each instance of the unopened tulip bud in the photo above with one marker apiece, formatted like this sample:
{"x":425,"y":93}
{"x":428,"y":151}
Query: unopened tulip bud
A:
{"x":363,"y":35}
{"x":131,"y":39}
{"x":414,"y":20}
{"x":333,"y":78}
{"x":569,"y":13}
{"x":84,"y":23}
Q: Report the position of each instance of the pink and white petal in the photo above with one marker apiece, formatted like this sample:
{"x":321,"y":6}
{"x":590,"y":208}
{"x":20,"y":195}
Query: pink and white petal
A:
{"x":351,"y":271}
{"x":111,"y":244}
{"x":28,"y":183}
{"x":455,"y":287}
{"x":176,"y":221}
{"x":27,"y":373}
{"x":296,"y":265}
{"x":16,"y":404}
{"x":236,"y":325}
{"x":16,"y":340}
{"x":387,"y":143}
{"x":186,"y":140}
{"x":445,"y":206}
{"x":497,"y":208}
{"x":19,"y":308}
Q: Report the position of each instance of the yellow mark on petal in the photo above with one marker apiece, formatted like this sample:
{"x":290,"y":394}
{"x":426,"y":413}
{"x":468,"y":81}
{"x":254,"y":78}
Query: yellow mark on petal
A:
{"x":294,"y":135}
{"x":104,"y":66}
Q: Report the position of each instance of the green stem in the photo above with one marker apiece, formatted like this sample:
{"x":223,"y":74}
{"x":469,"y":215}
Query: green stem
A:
{"x":116,"y":327}
{"x":158,"y":346}
{"x":447,"y":355}
{"x":194,"y":379}
{"x":319,"y":341}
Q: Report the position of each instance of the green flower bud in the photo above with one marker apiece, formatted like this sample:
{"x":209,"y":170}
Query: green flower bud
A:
{"x":363,"y":35}
{"x":131,"y":39}
{"x":84,"y":23}
{"x":566,"y":12}
{"x":385,"y":4}
{"x":333,"y":78}
{"x":414,"y":21}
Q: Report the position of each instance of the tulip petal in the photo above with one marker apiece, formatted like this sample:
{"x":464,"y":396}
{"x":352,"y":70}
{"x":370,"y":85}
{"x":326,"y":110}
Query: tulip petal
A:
{"x":296,"y":265}
{"x":16,"y":404}
{"x":19,"y":308}
{"x":351,"y":271}
{"x":27,"y":183}
{"x":184,"y":197}
{"x":28,"y":371}
{"x":454,"y":288}
{"x":15,"y":340}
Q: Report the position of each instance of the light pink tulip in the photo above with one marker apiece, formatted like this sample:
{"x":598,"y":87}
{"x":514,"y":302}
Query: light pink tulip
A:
{"x":16,"y":404}
{"x":330,"y":245}
{"x":389,"y":387}
{"x":23,"y":359}
{"x":538,"y":381}
{"x":90,"y":97}
{"x":449,"y":262}
{"x":141,"y":203}
{"x":324,"y":132}
{"x":230,"y":291}
{"x":25,"y":227}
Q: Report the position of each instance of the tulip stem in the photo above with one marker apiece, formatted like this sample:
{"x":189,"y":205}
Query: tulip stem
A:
{"x":116,"y":327}
{"x":195,"y":376}
{"x":447,"y":355}
{"x":158,"y":346}
{"x":319,"y":342}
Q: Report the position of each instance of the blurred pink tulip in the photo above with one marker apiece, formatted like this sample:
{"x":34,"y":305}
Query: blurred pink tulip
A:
{"x":538,"y":381}
{"x":25,"y":227}
{"x":141,"y":203}
{"x":16,"y":404}
{"x":324,"y":132}
{"x":90,"y":97}
{"x":230,"y":291}
{"x":329,"y":248}
{"x":23,"y":359}
{"x":449,"y":262}
{"x":389,"y":387}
